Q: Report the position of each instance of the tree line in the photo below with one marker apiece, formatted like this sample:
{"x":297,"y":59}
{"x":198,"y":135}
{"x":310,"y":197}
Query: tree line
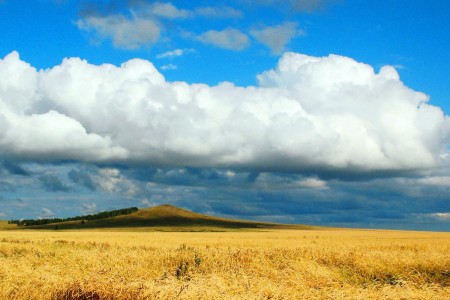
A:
{"x":97,"y":216}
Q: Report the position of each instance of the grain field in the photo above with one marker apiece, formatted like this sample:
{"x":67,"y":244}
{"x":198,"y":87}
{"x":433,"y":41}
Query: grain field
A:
{"x":279,"y":264}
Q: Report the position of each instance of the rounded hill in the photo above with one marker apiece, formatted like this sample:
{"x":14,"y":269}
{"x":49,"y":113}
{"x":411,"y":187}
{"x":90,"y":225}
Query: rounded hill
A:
{"x":168,"y":218}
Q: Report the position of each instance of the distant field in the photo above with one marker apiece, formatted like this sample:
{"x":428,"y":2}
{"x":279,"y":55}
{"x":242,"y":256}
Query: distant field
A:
{"x":5,"y":225}
{"x":276,"y":264}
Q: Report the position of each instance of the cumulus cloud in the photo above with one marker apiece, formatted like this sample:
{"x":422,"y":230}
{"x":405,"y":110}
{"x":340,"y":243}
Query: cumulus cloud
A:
{"x":309,"y":114}
{"x":135,"y":24}
{"x":278,"y":36}
{"x":110,"y":180}
{"x":29,"y":132}
{"x":229,"y":38}
{"x":129,"y":25}
{"x":127,"y":33}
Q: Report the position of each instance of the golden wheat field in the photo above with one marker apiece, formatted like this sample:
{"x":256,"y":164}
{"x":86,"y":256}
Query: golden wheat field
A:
{"x":313,"y":264}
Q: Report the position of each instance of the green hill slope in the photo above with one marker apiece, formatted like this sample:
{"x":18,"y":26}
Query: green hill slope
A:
{"x":168,"y":218}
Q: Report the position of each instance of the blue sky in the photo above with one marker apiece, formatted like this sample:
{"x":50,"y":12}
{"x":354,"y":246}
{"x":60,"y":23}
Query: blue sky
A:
{"x":302,"y":111}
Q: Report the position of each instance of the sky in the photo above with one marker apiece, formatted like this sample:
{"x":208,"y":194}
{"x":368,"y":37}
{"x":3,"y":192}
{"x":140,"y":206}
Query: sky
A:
{"x":324,"y":112}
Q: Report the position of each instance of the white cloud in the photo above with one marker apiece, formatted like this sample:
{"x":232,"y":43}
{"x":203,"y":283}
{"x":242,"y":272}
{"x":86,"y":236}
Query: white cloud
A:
{"x":2,"y":215}
{"x":142,"y":24}
{"x":56,"y":135}
{"x":443,"y":181}
{"x":48,"y":135}
{"x":169,"y":67}
{"x":45,"y":213}
{"x":174,"y":53}
{"x":111,"y":180}
{"x":89,"y":208}
{"x":311,"y":182}
{"x":309,"y":113}
{"x":127,"y":33}
{"x":18,"y":83}
{"x":109,"y":172}
{"x":278,"y":36}
{"x":272,"y":181}
{"x":167,"y":10}
{"x":108,"y":179}
{"x":442,"y":216}
{"x":229,"y":38}
{"x":148,"y":202}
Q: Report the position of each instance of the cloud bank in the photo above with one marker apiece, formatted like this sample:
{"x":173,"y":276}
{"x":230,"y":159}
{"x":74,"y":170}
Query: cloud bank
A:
{"x":143,"y":24}
{"x":125,"y":33}
{"x":307,"y":114}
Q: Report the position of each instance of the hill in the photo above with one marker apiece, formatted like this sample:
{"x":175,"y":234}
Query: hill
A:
{"x":5,"y":225}
{"x":168,"y":218}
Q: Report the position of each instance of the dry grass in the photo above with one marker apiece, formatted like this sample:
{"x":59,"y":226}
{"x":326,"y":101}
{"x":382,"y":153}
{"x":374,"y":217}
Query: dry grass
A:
{"x":316,"y":264}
